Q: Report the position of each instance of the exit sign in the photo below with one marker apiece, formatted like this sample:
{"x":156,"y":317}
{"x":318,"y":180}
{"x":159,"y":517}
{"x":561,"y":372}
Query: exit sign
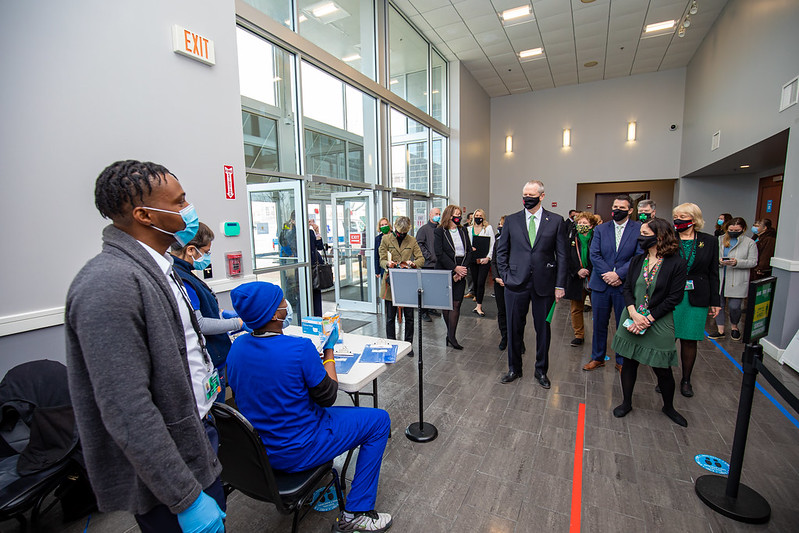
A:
{"x":190,"y":44}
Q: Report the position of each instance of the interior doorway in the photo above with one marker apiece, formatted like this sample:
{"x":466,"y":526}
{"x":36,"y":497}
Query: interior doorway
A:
{"x":769,"y":193}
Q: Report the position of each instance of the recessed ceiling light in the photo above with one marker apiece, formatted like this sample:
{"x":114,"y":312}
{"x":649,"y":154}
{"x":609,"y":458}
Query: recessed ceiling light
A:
{"x":658,"y":26}
{"x":524,"y":54}
{"x":394,"y":81}
{"x":744,"y":166}
{"x":324,"y":9}
{"x":586,"y":1}
{"x":590,"y":64}
{"x":516,"y":12}
{"x":353,"y":57}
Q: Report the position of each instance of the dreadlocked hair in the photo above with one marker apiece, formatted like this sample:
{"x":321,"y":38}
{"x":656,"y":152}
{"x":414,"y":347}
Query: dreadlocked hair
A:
{"x":121,"y":183}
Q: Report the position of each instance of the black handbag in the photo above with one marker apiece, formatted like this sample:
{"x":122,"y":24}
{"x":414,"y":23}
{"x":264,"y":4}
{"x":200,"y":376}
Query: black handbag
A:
{"x":322,"y":276}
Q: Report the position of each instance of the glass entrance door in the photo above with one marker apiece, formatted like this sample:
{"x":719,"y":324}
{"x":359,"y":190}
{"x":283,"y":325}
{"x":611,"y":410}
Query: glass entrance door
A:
{"x":353,"y":250}
{"x":279,"y":240}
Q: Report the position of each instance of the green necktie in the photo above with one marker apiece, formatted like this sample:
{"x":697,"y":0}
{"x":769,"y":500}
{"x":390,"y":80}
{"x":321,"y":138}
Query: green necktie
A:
{"x":531,"y":231}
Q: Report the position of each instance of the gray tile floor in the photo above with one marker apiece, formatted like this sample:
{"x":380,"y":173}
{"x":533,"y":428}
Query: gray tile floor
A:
{"x":503,"y":461}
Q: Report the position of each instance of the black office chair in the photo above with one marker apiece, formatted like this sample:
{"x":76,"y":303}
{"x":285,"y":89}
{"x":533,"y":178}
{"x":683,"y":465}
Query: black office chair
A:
{"x":245,"y":467}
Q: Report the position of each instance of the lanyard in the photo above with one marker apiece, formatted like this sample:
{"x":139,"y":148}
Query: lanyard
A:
{"x":194,"y":323}
{"x":649,"y":276}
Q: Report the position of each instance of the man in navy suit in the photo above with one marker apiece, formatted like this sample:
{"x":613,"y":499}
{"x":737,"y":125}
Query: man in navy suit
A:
{"x":531,"y":259}
{"x":614,"y":244}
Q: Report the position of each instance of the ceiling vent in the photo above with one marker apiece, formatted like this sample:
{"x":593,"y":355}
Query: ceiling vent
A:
{"x":714,"y":143}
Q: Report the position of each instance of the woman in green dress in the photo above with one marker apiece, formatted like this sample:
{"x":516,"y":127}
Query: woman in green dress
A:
{"x":654,"y":286}
{"x":701,"y":252}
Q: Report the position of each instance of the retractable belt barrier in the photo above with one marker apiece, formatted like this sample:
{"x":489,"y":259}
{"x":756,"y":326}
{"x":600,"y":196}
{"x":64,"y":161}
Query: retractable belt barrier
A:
{"x":728,"y":496}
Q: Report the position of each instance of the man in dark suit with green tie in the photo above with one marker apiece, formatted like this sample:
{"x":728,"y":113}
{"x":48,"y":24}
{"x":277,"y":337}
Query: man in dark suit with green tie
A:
{"x":531,"y":259}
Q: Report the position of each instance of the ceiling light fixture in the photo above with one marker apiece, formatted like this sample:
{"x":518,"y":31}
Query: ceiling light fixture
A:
{"x":687,"y":22}
{"x":693,"y":9}
{"x":590,"y":64}
{"x":744,"y":166}
{"x":394,"y":81}
{"x":324,"y":9}
{"x":631,"y":126}
{"x":681,"y":31}
{"x":658,"y":26}
{"x":516,"y":12}
{"x":353,"y":57}
{"x":567,"y":138}
{"x":526,"y":54}
{"x":509,"y":144}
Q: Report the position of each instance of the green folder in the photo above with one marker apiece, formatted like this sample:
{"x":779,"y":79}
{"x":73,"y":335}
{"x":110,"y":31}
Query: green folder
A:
{"x":552,"y":312}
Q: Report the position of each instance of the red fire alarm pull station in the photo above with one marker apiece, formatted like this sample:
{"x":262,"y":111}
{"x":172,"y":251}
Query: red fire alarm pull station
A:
{"x":233,"y":262}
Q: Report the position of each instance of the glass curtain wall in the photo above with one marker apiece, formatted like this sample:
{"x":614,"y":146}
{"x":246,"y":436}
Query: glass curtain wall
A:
{"x":408,"y":58}
{"x":410,"y":149}
{"x":340,"y":128}
{"x":345,"y":28}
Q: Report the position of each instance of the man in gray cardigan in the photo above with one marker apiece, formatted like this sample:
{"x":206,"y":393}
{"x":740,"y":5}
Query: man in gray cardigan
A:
{"x":146,"y":448}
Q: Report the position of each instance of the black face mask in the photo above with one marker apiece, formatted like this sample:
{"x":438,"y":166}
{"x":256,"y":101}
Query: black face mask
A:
{"x":619,"y":214}
{"x":644,"y":217}
{"x":734,"y":234}
{"x":647,"y":241}
{"x":530,"y":201}
{"x":682,"y":225}
{"x":456,"y":220}
{"x":400,"y":237}
{"x":478,"y":221}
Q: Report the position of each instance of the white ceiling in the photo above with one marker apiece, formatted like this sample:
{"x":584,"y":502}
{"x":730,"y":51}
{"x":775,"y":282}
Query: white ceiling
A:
{"x":571,"y":32}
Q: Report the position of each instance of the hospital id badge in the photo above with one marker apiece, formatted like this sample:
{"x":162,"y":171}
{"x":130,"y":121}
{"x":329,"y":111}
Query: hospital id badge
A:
{"x":212,"y":385}
{"x":689,"y":285}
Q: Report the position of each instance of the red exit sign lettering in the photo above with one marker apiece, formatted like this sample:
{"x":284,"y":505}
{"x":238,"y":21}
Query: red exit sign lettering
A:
{"x":190,"y":44}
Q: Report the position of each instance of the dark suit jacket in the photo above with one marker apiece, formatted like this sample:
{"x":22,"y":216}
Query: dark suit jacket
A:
{"x":544,"y":262}
{"x":705,"y":272}
{"x":669,"y":286}
{"x":445,"y":249}
{"x":574,"y":283}
{"x":606,"y":258}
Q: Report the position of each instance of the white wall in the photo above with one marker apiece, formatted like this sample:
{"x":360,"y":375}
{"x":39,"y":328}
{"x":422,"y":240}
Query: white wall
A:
{"x":91,"y":82}
{"x":470,"y":138}
{"x":734,"y":194}
{"x":597,"y":114}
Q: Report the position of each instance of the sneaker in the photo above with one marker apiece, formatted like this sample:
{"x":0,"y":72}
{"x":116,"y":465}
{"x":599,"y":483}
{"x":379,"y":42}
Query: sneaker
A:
{"x":357,"y":522}
{"x":716,"y":335}
{"x":576,"y":342}
{"x":735,"y":334}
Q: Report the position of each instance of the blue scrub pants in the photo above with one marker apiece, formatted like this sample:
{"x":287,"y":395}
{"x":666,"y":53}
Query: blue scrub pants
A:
{"x":602,"y":303}
{"x":351,"y":427}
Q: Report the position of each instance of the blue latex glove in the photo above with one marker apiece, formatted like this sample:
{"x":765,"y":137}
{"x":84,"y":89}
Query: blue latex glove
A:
{"x":331,"y":342}
{"x":233,"y":314}
{"x":202,"y":516}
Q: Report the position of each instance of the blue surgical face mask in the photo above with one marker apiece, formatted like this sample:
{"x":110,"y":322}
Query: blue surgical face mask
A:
{"x":203,"y":262}
{"x":289,"y":314}
{"x":190,"y":219}
{"x":437,"y":219}
{"x":755,"y":230}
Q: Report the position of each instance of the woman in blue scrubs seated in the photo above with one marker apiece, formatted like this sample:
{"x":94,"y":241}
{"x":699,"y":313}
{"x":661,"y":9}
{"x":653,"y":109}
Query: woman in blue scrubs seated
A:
{"x":286,"y":392}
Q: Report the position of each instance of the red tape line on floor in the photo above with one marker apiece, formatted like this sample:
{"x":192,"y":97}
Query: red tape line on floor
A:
{"x":577,"y":478}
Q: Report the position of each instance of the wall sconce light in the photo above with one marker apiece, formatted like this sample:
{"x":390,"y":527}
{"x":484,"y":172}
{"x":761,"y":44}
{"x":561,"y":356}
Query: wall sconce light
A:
{"x":631,"y":131}
{"x":567,"y":138}
{"x":509,"y":144}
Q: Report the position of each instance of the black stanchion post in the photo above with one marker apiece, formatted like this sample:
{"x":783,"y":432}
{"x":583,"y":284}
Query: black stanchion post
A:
{"x":728,"y":496}
{"x":419,"y":431}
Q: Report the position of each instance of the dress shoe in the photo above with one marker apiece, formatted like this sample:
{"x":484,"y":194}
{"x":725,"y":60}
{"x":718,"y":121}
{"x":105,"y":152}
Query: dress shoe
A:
{"x":510,"y":377}
{"x":593,"y":364}
{"x":543,"y":380}
{"x":618,"y":367}
{"x":470,"y":295}
{"x":454,"y":344}
{"x":735,"y":335}
{"x":478,"y":313}
{"x":676,"y":417}
{"x":410,"y":354}
{"x":576,"y":342}
{"x":686,"y":389}
{"x":622,"y":410}
{"x":503,"y":344}
{"x":426,"y":317}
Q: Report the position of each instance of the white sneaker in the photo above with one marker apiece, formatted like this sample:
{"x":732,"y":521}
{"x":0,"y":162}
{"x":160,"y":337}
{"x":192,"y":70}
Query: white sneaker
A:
{"x":362,"y":522}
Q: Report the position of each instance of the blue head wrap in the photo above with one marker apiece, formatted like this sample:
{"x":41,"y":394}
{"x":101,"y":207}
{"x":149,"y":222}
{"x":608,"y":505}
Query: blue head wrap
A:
{"x":256,"y":302}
